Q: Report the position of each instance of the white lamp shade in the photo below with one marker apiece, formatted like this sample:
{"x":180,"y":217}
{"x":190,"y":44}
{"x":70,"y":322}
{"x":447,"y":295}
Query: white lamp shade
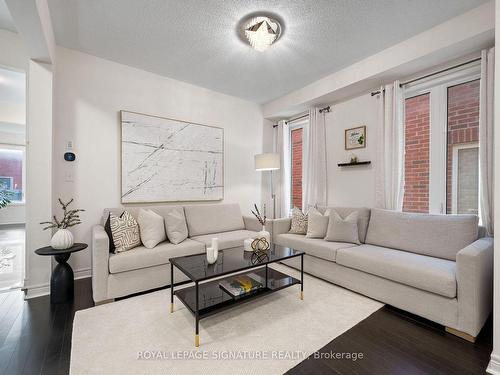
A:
{"x":267,"y":162}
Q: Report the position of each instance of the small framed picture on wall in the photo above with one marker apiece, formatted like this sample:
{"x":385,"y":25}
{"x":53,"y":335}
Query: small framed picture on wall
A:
{"x":355,"y":138}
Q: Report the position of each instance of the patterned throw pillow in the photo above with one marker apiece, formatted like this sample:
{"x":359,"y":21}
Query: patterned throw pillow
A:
{"x":299,"y":222}
{"x":125,"y":231}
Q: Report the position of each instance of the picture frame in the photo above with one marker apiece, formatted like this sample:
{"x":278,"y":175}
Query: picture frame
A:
{"x":355,"y":138}
{"x":169,"y":160}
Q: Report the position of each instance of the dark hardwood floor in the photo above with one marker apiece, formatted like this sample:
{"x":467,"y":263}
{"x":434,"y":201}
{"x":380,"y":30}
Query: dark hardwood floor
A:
{"x":35,"y":338}
{"x":396,"y":342}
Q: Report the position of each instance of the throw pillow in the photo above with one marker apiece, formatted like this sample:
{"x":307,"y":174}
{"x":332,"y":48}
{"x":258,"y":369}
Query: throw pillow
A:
{"x":317,"y":224}
{"x":343,"y":230}
{"x":152,"y":228}
{"x":299,"y":222}
{"x":107,"y":229}
{"x":175,"y":222}
{"x":125,"y":231}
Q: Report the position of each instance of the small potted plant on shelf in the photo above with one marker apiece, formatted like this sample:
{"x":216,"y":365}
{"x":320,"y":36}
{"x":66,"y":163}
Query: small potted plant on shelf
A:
{"x":63,"y":238}
{"x":262,"y":220}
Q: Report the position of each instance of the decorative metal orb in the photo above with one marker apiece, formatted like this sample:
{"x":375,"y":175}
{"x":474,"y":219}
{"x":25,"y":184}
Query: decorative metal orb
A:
{"x":259,"y":256}
{"x":260,"y":244}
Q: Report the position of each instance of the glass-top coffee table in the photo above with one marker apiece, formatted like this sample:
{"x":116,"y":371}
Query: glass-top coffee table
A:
{"x":206,"y":297}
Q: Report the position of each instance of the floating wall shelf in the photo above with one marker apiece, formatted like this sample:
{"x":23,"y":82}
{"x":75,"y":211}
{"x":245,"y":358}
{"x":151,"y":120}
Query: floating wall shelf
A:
{"x":353,"y":164}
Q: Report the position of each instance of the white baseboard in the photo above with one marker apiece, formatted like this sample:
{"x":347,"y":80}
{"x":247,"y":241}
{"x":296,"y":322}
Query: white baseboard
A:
{"x":494,"y":365}
{"x":82,"y":273}
{"x":34,"y":291}
{"x":44,"y":289}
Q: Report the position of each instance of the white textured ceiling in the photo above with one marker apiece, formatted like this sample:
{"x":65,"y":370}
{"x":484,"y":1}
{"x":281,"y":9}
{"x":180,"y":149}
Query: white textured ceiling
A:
{"x":196,"y":40}
{"x":6,"y":22}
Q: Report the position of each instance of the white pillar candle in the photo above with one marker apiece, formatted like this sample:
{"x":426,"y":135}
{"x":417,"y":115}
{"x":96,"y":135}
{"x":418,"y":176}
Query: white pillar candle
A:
{"x":247,"y":244}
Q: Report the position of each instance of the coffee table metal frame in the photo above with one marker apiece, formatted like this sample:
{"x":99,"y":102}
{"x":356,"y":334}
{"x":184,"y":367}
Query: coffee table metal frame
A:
{"x":281,"y":281}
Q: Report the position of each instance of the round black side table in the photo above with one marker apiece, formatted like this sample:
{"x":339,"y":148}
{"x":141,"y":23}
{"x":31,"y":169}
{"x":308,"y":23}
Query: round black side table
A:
{"x":61,"y":281}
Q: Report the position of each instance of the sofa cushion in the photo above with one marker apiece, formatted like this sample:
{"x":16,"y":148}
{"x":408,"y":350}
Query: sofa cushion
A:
{"x":134,"y":211}
{"x":151,"y":227}
{"x":423,"y":272}
{"x":441,"y":236}
{"x":227,"y":240}
{"x":316,"y":247}
{"x":343,"y":229}
{"x":299,"y":222}
{"x":317,"y":224}
{"x":125,"y":232}
{"x":141,"y":257}
{"x":213,"y":218}
{"x":363,"y":217}
{"x":175,"y":223}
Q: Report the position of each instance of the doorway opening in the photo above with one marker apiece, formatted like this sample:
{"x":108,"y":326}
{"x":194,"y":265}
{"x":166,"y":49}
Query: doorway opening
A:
{"x":12,"y":178}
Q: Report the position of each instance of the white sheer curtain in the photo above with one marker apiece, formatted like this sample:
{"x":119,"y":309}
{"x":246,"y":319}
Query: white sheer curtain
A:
{"x":315,"y":179}
{"x":486,"y":146}
{"x":282,"y":188}
{"x":390,"y":152}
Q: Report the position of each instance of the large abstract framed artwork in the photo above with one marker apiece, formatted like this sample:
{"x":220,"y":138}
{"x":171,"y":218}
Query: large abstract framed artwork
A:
{"x":165,"y":160}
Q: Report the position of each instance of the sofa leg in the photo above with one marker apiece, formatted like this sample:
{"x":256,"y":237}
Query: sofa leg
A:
{"x":104,"y":302}
{"x":461,"y":334}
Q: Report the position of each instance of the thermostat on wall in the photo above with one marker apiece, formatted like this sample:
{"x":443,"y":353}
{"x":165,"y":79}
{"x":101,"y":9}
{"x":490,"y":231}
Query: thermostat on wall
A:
{"x":69,"y":156}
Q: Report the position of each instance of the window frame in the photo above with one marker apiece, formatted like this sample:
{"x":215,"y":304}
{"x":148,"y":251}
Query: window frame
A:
{"x":437,"y":88}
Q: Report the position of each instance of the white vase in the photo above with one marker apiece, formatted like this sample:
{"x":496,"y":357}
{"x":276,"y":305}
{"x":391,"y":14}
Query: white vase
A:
{"x":212,"y":255}
{"x":62,"y":239}
{"x":264,"y":234}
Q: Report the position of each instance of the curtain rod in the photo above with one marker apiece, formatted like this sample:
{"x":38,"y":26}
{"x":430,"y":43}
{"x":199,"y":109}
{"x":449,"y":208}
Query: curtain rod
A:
{"x":325,"y":109}
{"x":439,"y":72}
{"x":431,"y":74}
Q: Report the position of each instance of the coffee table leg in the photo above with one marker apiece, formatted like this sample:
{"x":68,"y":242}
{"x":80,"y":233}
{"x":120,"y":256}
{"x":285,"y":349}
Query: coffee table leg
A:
{"x":266,"y":275}
{"x":197,"y":318}
{"x":302,"y":277}
{"x":171,"y":288}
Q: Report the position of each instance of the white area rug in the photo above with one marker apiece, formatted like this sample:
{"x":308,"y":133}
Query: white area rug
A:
{"x":139,"y":336}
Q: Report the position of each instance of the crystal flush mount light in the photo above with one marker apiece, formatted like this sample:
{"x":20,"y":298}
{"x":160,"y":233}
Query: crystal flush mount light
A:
{"x":261,"y":32}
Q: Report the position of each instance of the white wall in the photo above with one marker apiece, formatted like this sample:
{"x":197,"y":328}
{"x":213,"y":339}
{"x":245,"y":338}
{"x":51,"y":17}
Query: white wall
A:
{"x":39,"y":175}
{"x":90,"y":92}
{"x":351,"y":186}
{"x":494,"y":365}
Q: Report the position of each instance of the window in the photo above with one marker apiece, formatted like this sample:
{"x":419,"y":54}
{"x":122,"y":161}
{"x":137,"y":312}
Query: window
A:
{"x":297,"y":137}
{"x":417,"y":131}
{"x":441,"y":143}
{"x":463,"y":196}
{"x":12,"y":171}
{"x":462,"y":190}
{"x":296,"y":149}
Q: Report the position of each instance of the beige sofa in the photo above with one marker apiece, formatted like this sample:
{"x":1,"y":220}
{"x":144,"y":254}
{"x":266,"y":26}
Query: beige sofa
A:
{"x":141,"y":269}
{"x":437,"y":266}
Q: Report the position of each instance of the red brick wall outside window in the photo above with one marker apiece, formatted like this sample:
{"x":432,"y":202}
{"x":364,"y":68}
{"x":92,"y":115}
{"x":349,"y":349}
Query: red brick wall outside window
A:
{"x":463,"y":125}
{"x":417,"y":133}
{"x":296,"y":150}
{"x":11,"y":165}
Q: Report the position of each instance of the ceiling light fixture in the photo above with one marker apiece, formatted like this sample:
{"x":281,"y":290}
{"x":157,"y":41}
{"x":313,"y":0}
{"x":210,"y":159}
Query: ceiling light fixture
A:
{"x":262,"y":31}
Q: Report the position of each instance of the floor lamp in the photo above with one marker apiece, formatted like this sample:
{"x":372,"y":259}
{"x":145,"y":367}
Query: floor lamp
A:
{"x":268,"y":162}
